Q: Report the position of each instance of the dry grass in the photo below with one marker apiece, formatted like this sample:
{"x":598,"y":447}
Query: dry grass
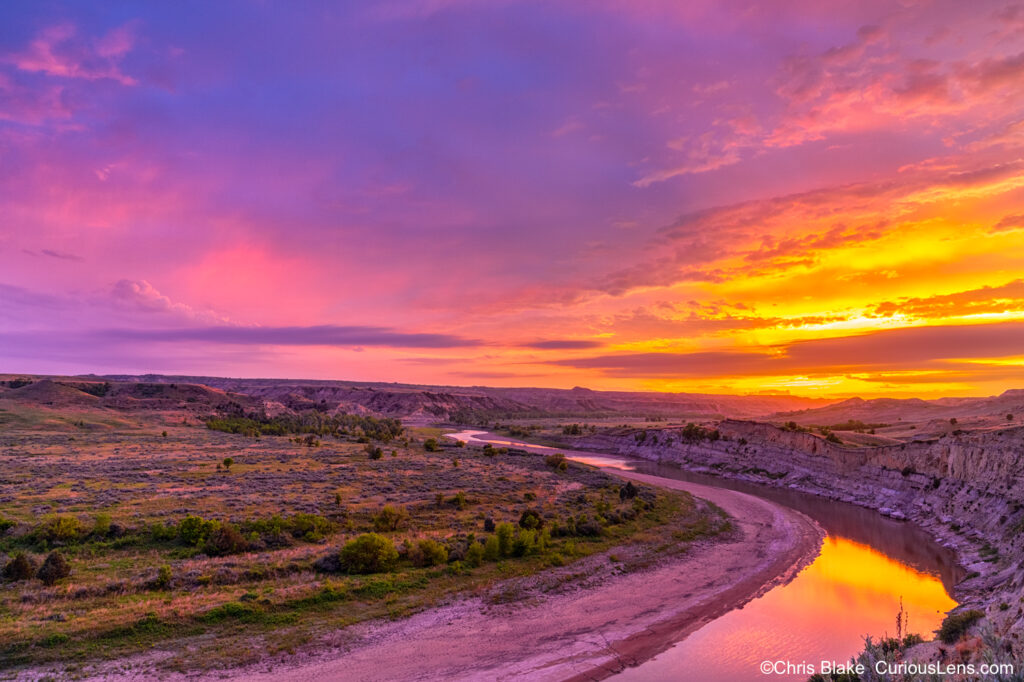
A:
{"x":219,"y":611}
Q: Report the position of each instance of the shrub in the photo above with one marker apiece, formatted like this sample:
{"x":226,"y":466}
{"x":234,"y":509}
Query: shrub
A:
{"x":525,"y":543}
{"x":101,"y":525}
{"x":492,"y":548}
{"x":833,"y":438}
{"x":310,"y":527}
{"x":474,"y":554}
{"x":628,"y":491}
{"x":460,"y":500}
{"x":556,"y":461}
{"x":368,"y":553}
{"x":374,"y":452}
{"x":228,"y":461}
{"x":504,"y":532}
{"x":956,"y":624}
{"x":60,"y":529}
{"x":161,"y":532}
{"x":225,"y":539}
{"x":390,"y":519}
{"x":6,"y":525}
{"x":20,"y":567}
{"x":54,"y":568}
{"x":531,"y":519}
{"x":587,"y":528}
{"x":195,"y":530}
{"x":428,"y":552}
{"x":430,"y":445}
{"x":163,"y":578}
{"x":488,"y":525}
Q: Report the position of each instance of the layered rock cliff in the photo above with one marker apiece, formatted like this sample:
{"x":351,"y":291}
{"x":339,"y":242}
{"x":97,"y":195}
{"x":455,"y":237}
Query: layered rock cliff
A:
{"x":966,"y":489}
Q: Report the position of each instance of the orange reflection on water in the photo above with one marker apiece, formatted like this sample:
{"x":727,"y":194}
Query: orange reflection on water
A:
{"x":849,"y":591}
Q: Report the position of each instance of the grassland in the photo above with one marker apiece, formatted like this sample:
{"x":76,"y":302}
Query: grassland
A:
{"x":222,"y":563}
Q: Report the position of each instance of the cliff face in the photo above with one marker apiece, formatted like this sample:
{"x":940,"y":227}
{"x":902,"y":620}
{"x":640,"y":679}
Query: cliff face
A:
{"x":967,"y":490}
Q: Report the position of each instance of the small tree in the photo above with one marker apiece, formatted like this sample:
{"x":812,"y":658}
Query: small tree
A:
{"x":20,"y":567}
{"x":390,"y":519}
{"x":428,"y":552}
{"x":531,"y":519}
{"x":225,"y":539}
{"x":628,"y":491}
{"x":556,"y":461}
{"x":54,"y":568}
{"x":368,"y":553}
{"x":952,"y":421}
{"x":430,"y":445}
{"x":474,"y":554}
{"x":163,"y":578}
{"x":228,"y":461}
{"x":505,"y":533}
{"x":492,"y":548}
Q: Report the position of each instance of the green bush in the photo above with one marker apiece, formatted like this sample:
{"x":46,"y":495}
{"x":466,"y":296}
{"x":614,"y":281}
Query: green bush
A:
{"x":368,"y":553}
{"x":310,"y":527}
{"x":60,"y":529}
{"x":525,"y":543}
{"x":20,"y":567}
{"x":492,"y":548}
{"x":505,"y":533}
{"x":427,"y":552}
{"x":474,"y":554}
{"x":195,"y":530}
{"x":6,"y":525}
{"x":54,"y":568}
{"x":163,"y":578}
{"x":430,"y":445}
{"x":161,"y":532}
{"x":101,"y":525}
{"x":956,"y":624}
{"x":390,"y":519}
{"x":531,"y":519}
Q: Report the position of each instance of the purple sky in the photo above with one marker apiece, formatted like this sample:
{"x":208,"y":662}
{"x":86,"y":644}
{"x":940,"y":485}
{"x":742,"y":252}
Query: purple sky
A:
{"x":460,"y":191}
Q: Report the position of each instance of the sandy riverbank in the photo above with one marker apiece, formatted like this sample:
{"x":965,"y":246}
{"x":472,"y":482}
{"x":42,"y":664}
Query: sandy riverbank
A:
{"x":586,"y":634}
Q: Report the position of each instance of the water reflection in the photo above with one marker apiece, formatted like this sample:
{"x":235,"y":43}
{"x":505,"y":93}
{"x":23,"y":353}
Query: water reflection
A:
{"x":849,"y":591}
{"x":899,"y":540}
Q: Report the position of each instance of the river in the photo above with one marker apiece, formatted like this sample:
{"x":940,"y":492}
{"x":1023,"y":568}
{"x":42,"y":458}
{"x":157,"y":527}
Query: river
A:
{"x":867,"y":566}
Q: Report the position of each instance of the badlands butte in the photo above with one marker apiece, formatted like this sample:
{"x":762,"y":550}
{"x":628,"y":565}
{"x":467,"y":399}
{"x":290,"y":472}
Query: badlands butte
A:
{"x":954,"y":466}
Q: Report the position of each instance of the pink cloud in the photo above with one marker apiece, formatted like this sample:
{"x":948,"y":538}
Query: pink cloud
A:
{"x":58,"y":51}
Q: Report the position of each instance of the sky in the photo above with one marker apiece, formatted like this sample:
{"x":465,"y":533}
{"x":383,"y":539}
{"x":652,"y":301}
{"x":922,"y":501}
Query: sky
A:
{"x":764,"y":196}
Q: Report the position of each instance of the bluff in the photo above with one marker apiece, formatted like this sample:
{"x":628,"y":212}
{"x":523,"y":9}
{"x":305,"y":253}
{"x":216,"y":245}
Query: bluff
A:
{"x":965,"y":489}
